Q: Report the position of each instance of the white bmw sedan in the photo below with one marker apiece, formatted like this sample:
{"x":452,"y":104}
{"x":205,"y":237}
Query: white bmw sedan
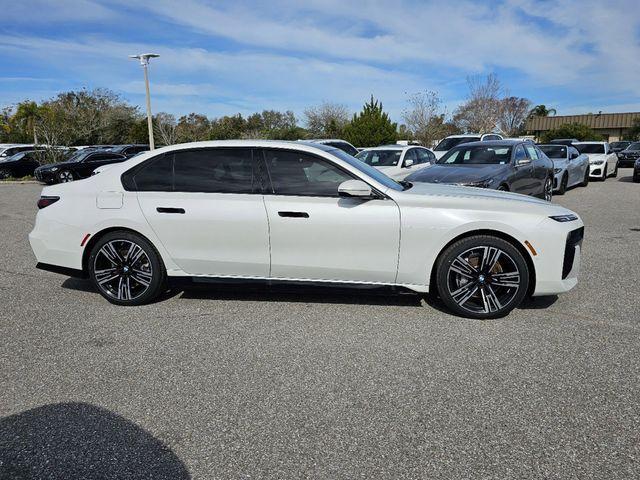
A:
{"x":397,"y":161}
{"x":294,"y":212}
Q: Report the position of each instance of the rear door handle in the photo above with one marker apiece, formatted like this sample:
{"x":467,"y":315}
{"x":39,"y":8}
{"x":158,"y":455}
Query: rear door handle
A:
{"x":294,"y":214}
{"x":169,"y":210}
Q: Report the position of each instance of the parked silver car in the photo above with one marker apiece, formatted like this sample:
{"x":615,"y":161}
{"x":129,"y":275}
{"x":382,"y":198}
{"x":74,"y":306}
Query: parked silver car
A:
{"x":570,"y":167}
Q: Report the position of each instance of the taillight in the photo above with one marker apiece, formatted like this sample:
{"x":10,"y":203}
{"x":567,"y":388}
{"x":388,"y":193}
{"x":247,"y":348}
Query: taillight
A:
{"x":46,"y":201}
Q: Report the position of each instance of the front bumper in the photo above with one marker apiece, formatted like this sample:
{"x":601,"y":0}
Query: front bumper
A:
{"x":596,"y":170}
{"x":45,"y":176}
{"x":626,"y":161}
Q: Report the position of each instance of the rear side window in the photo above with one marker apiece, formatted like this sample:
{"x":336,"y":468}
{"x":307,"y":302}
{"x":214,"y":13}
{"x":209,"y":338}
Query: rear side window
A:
{"x":520,"y":153}
{"x":155,"y":176}
{"x":220,"y":170}
{"x":297,"y":173}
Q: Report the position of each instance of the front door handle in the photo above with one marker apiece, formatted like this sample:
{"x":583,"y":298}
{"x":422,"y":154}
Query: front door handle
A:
{"x":294,"y":214}
{"x":169,"y":210}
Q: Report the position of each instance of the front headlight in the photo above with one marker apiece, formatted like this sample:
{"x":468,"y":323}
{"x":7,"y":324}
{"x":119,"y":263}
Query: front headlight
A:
{"x":481,"y":184}
{"x":570,"y":217}
{"x":54,"y":169}
{"x":597,"y":162}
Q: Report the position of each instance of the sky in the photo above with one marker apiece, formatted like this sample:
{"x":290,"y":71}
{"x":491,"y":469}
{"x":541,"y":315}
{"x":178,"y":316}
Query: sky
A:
{"x":221,"y":58}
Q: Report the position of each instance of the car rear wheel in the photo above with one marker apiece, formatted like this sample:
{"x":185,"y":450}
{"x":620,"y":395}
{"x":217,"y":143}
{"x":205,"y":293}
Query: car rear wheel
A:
{"x":615,"y":172}
{"x":482,"y":277}
{"x":563,"y":185}
{"x":126,"y":269}
{"x":548,"y":189}
{"x":65,"y":176}
{"x":604,"y":174}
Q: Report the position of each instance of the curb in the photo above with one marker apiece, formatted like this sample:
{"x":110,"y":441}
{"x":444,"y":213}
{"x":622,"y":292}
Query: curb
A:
{"x":19,"y":182}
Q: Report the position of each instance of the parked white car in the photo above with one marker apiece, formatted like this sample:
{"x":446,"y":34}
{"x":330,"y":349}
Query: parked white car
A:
{"x":603,"y":161}
{"x":397,"y":161}
{"x":281,"y":211}
{"x":453,"y":140}
{"x":570,"y":167}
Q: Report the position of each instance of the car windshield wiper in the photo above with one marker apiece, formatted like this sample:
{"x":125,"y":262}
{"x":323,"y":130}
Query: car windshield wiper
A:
{"x":406,"y":185}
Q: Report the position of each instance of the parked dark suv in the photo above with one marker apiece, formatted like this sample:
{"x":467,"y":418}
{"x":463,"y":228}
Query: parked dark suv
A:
{"x":79,"y":165}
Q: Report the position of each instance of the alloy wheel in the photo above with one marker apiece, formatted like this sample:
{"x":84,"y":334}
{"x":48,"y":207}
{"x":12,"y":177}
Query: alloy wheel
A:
{"x":483,"y":279}
{"x":65,"y":176}
{"x":123,"y":270}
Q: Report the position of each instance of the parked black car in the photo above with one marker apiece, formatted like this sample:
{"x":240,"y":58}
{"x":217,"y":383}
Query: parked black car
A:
{"x":628,"y":156}
{"x":129,"y":150}
{"x":79,"y":165}
{"x":617,"y":147}
{"x":19,"y":165}
{"x":511,"y":165}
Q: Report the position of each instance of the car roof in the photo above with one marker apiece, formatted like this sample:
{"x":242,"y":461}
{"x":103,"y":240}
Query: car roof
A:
{"x":488,"y":143}
{"x":590,"y":142}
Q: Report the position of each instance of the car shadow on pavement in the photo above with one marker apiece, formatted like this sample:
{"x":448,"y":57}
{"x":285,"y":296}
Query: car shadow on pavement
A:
{"x":74,"y":441}
{"x":538,"y":303}
{"x":628,"y":179}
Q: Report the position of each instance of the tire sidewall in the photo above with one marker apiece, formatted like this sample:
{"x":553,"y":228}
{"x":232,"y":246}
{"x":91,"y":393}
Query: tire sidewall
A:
{"x":461,"y":246}
{"x":158,"y":280}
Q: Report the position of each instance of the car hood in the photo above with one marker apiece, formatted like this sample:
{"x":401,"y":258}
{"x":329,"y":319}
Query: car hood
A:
{"x":457,"y":173}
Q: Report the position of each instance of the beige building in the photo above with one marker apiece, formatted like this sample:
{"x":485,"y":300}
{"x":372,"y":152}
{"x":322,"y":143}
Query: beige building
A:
{"x":612,"y":126}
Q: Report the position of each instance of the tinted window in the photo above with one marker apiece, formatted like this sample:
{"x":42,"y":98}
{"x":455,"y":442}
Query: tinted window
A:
{"x":492,"y":137}
{"x":411,"y":155}
{"x":423,"y":155}
{"x":155,"y":176}
{"x":219,"y":170}
{"x":345,"y":147}
{"x":634,"y":146}
{"x":449,"y":143}
{"x":134,"y":150}
{"x":297,"y":173}
{"x":555,"y":151}
{"x":477,"y":155}
{"x":367,"y":170}
{"x":380,"y":158}
{"x":590,"y":147}
{"x":520,"y":154}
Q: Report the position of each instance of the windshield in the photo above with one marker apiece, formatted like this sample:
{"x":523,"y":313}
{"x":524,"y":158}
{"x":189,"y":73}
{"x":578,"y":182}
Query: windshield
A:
{"x":634,"y":146}
{"x":589,"y":147}
{"x":78,"y":155}
{"x":554,"y":151}
{"x":368,"y":170}
{"x":478,"y":154}
{"x":449,"y":143}
{"x":380,"y":158}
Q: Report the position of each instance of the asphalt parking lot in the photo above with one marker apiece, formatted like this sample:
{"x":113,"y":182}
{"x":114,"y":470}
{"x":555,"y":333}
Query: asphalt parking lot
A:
{"x":222,"y":383}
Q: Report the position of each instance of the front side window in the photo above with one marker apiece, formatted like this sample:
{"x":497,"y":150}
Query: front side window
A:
{"x":520,"y":154}
{"x":423,"y":155}
{"x":298,"y":173}
{"x":380,"y":158}
{"x":410,"y":155}
{"x":533,"y":153}
{"x":213,"y":170}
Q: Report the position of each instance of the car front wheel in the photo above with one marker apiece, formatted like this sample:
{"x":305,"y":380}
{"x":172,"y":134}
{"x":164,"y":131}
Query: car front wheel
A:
{"x":482,"y":277}
{"x":548,"y":189}
{"x":126,"y":269}
{"x":65,"y":176}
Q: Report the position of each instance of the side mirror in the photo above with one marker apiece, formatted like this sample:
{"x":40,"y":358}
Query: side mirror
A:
{"x":355,"y":188}
{"x":573,"y":156}
{"x":522,"y":162}
{"x":408,"y":162}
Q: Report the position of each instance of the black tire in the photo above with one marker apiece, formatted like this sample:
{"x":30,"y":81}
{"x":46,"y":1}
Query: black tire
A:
{"x":604,"y":174}
{"x":135,"y":278}
{"x":65,"y":176}
{"x":503,"y":188}
{"x":585,"y":180}
{"x":4,"y":173}
{"x":486,"y":296}
{"x":615,"y":172}
{"x":563,"y":185}
{"x":547,"y":192}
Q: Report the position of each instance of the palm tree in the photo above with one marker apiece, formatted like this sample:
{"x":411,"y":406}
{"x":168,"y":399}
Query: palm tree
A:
{"x":26,"y":116}
{"x":542,"y":111}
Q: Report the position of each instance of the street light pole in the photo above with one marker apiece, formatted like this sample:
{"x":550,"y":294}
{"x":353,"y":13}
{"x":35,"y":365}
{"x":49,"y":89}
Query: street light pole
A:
{"x":144,"y":61}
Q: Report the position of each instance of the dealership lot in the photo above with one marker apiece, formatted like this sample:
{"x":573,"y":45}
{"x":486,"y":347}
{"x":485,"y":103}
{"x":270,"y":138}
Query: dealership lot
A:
{"x":224,"y":383}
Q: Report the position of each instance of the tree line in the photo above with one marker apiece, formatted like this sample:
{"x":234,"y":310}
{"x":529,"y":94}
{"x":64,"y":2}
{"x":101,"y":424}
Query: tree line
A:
{"x":100,"y":116}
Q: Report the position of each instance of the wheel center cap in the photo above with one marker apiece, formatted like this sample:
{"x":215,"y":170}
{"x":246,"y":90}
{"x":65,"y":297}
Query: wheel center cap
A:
{"x":481,"y":278}
{"x":125,"y":269}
